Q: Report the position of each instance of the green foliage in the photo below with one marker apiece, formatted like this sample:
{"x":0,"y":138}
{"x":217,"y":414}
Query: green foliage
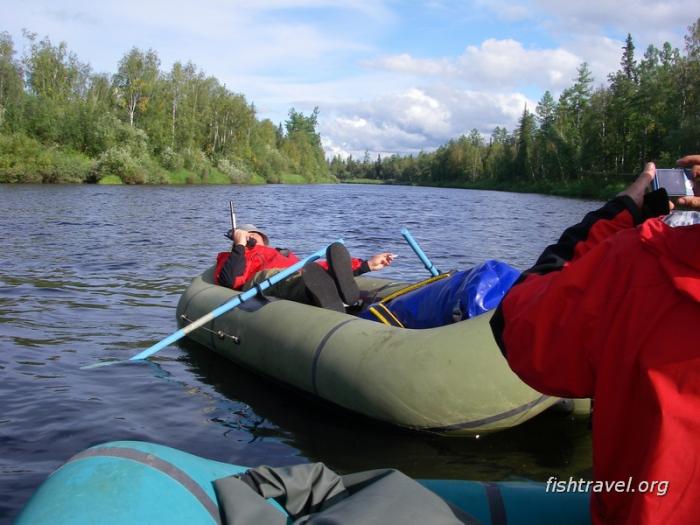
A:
{"x":119,"y":162}
{"x":235,"y":173}
{"x":302,"y":146}
{"x":24,"y":159}
{"x":292,"y":178}
{"x":110,"y":180}
{"x":198,"y":130}
{"x":61,"y":123}
{"x":171,"y":160}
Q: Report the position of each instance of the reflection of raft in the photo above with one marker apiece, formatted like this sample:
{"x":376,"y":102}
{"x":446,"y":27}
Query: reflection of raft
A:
{"x":451,"y":379}
{"x":135,"y":482}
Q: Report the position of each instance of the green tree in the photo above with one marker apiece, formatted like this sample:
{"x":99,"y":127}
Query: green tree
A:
{"x":623,"y":85}
{"x":53,"y":72}
{"x":689,"y":132}
{"x":302,"y":145}
{"x":525,"y":154}
{"x":135,"y":81}
{"x":547,"y":139}
{"x":11,"y":86}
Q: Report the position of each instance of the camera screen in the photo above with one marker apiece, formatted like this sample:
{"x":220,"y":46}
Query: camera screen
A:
{"x":675,"y":181}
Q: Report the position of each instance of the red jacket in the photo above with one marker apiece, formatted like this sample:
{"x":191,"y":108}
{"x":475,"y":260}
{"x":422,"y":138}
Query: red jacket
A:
{"x":612,"y":312}
{"x":239,"y":266}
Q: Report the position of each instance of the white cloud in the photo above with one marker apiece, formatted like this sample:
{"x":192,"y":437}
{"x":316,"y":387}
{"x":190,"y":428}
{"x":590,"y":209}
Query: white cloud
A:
{"x":601,"y":53}
{"x":507,"y":63}
{"x":417,"y":119}
{"x":496,"y":64}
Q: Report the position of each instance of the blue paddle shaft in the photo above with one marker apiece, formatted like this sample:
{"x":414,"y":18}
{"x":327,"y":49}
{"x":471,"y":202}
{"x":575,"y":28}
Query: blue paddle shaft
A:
{"x":420,"y":253}
{"x":229,"y":305}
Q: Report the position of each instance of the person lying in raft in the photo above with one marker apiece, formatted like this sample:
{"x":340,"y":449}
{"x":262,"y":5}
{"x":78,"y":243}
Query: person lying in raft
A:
{"x":328,"y":284}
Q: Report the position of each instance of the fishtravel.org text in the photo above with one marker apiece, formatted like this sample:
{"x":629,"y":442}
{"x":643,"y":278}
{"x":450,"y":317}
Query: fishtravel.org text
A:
{"x":554,"y":484}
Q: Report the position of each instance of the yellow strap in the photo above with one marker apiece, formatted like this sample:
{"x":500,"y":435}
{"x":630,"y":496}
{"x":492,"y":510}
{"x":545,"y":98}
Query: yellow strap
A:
{"x":383,"y":319}
{"x":412,"y":287}
{"x":379,"y":316}
{"x":390,"y":315}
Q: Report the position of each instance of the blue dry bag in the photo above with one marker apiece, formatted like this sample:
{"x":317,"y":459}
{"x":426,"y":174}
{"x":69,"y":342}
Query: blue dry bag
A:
{"x":442,"y":301}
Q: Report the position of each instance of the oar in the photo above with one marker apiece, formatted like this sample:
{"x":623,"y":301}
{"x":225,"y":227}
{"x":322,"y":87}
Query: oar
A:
{"x":227,"y":306}
{"x":420,"y":253}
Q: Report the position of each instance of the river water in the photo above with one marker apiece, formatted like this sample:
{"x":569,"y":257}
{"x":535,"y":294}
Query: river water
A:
{"x":95,"y":271}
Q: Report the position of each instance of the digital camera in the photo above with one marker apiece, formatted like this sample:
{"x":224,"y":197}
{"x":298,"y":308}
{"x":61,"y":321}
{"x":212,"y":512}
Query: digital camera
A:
{"x":677,"y":182}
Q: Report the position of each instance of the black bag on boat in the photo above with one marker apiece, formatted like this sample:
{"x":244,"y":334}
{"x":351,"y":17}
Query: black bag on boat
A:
{"x":315,"y":495}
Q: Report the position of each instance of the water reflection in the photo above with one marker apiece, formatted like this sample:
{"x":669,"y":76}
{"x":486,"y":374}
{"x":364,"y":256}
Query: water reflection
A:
{"x":552,"y":442}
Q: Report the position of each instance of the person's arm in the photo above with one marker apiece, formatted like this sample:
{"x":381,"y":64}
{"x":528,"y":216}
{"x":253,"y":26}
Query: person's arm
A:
{"x":360,"y":266}
{"x":629,"y":208}
{"x":377,"y":262}
{"x":552,"y":319}
{"x":231,"y":265}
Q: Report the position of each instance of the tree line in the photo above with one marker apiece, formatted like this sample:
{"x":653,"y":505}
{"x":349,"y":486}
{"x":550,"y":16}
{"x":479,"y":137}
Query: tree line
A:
{"x":590,"y":141}
{"x":62,"y":122}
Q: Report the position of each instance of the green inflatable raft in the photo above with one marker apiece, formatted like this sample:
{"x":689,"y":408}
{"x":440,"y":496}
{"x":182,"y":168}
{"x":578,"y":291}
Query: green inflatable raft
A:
{"x":450,"y":380}
{"x":148,"y":484}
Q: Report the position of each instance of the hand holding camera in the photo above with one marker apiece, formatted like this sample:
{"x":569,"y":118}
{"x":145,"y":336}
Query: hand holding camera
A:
{"x":692,"y":164}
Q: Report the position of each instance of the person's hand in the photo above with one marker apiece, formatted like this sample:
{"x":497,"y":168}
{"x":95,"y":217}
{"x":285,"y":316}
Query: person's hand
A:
{"x":637,"y":189}
{"x":240,"y":237}
{"x":379,"y":261}
{"x":692,"y":162}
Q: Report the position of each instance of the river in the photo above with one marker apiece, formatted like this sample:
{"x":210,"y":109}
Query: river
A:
{"x":94,"y":271}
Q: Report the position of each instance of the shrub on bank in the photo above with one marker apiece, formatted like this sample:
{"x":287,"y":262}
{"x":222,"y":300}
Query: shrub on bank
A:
{"x":120,"y":162}
{"x":171,"y":160}
{"x":235,"y":172}
{"x":67,"y":167}
{"x":25,"y":160}
{"x":117,"y":161}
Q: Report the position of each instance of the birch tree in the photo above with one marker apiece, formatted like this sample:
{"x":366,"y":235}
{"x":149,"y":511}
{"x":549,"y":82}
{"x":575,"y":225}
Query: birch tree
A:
{"x":135,"y":80}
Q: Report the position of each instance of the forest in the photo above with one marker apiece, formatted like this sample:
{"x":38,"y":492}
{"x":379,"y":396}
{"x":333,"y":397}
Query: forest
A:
{"x":591,"y":141}
{"x":60,"y":122}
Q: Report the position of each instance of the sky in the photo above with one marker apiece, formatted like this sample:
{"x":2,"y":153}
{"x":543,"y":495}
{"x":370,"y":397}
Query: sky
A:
{"x":388,"y":76}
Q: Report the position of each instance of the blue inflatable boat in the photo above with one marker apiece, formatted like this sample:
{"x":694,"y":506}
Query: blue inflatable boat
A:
{"x":130,"y":482}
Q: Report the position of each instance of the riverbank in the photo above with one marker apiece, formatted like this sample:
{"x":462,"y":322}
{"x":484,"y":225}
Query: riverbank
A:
{"x":183,"y":177}
{"x":25,"y":160}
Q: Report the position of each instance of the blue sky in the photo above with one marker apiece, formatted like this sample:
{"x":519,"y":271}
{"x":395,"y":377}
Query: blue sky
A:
{"x":388,"y":76}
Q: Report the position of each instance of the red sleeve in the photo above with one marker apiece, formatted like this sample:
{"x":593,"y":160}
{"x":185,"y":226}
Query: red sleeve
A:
{"x":548,"y":322}
{"x":221,"y":259}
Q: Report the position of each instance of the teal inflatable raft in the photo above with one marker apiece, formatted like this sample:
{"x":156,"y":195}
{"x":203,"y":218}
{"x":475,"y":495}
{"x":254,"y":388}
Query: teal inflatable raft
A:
{"x":130,"y":482}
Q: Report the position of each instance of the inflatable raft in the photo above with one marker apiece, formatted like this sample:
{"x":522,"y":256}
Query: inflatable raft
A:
{"x":450,"y":380}
{"x":145,"y":483}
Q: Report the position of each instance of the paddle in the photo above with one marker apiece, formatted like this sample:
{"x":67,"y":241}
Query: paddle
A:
{"x":227,"y":306}
{"x":420,"y":253}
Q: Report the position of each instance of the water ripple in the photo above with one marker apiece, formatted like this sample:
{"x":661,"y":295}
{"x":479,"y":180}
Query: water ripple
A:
{"x":93,"y":273}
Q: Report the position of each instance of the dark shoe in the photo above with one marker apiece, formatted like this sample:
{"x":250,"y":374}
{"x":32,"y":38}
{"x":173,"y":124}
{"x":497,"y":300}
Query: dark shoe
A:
{"x":340,"y":269}
{"x":321,"y":288}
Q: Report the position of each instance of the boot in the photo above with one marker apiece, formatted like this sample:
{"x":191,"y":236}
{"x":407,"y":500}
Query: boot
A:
{"x":321,"y":288}
{"x":340,"y":269}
